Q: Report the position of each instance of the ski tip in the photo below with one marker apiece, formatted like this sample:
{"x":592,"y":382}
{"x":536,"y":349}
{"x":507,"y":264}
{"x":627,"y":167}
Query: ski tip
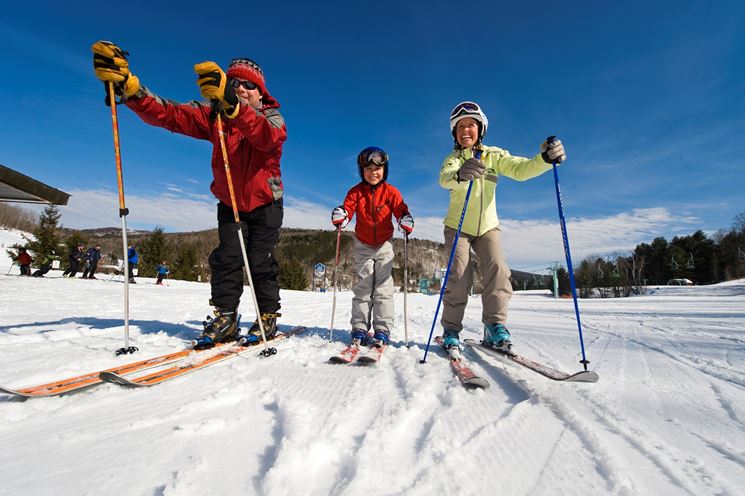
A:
{"x":584,"y":376}
{"x":477,"y":383}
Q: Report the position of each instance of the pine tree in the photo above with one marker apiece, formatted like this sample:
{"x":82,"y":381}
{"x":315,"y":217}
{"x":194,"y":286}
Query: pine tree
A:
{"x":47,"y":241}
{"x":293,"y":275}
{"x":152,"y":250}
{"x":185,"y":263}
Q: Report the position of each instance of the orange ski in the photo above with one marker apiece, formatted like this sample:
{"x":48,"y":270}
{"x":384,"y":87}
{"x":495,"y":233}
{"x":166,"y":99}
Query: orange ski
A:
{"x":93,"y":378}
{"x":187,"y":366}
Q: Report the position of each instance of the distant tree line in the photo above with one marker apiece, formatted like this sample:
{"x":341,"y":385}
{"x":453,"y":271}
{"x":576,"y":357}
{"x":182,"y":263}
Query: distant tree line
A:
{"x":697,"y":257}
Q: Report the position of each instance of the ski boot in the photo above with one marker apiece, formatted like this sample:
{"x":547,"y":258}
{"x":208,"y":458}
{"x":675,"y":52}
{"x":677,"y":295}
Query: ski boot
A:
{"x":223,"y":327}
{"x":360,"y":337}
{"x":380,"y":338}
{"x":451,"y":343}
{"x":269,"y":322}
{"x":498,"y":337}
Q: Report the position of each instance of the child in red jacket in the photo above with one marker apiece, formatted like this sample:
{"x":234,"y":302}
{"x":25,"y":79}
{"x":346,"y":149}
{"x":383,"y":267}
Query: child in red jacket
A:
{"x":374,"y":201}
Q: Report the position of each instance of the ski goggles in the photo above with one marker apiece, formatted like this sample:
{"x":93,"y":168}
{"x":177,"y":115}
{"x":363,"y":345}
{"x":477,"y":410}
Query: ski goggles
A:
{"x":376,"y":157}
{"x":465,"y":108}
{"x":235,"y":83}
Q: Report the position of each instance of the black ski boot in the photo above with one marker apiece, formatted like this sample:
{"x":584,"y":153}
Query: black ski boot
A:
{"x":269,"y":322}
{"x":223,"y":327}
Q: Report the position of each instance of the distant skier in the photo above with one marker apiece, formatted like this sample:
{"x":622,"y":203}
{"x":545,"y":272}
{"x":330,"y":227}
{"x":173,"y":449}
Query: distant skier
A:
{"x":76,"y":255}
{"x":481,"y":231}
{"x":46,"y":266}
{"x":254,"y":132}
{"x":374,"y":201}
{"x":24,"y":261}
{"x":133,"y":259}
{"x":92,"y":256}
{"x":162,"y":271}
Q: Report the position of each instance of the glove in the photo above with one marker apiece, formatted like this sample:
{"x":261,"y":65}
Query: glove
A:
{"x":340,"y":217}
{"x":110,"y":64}
{"x":406,"y":223}
{"x":213,"y":85}
{"x":553,"y":151}
{"x":471,"y":169}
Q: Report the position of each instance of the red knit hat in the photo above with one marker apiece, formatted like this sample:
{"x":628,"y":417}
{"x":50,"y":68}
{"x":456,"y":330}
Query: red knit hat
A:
{"x":247,"y":69}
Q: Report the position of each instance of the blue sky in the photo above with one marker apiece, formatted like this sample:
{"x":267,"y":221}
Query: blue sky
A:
{"x":647,"y":97}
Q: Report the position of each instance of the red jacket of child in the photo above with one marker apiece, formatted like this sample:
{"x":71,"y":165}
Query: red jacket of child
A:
{"x":24,"y":259}
{"x":374,"y":206}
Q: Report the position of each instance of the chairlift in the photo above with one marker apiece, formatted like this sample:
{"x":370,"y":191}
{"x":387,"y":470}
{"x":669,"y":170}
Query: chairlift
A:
{"x":690,"y":264}
{"x":673,"y":263}
{"x":615,"y":272}
{"x":740,"y":253}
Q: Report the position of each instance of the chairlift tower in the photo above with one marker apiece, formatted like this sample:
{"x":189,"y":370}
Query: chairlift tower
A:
{"x":554,"y":268}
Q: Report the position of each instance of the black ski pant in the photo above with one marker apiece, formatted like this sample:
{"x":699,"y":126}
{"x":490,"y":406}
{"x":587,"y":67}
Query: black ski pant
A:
{"x":73,"y":268}
{"x":90,"y":270}
{"x":260,"y":233}
{"x":42,"y":270}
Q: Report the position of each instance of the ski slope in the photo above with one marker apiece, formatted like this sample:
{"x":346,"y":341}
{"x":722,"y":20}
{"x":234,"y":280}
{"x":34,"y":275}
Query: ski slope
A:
{"x":666,"y":417}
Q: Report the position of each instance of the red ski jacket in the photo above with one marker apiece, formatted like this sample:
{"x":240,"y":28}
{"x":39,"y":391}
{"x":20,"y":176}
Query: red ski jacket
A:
{"x":253,"y":139}
{"x":24,"y":259}
{"x":374,"y":206}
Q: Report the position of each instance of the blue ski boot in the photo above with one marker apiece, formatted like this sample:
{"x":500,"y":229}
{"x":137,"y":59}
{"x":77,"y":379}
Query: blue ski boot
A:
{"x":359,"y":337}
{"x":451,"y":339}
{"x":380,"y":338}
{"x":498,"y":337}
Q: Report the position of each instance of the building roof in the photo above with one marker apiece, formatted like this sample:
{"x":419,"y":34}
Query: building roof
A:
{"x":17,"y":187}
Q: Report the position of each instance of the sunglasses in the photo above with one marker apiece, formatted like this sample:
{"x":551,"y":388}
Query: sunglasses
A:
{"x":246,"y":84}
{"x":464,"y":108}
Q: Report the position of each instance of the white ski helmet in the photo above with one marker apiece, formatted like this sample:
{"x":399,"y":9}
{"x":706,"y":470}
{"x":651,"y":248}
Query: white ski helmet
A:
{"x":472,"y":110}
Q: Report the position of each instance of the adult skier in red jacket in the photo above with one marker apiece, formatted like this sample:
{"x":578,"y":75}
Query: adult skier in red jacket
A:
{"x":254,"y":132}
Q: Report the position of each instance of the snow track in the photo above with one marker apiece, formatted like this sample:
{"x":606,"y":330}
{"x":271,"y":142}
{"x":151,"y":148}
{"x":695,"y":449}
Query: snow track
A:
{"x":665,"y":418}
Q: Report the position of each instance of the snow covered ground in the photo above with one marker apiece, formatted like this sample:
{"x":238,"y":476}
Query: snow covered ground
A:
{"x":666,"y":417}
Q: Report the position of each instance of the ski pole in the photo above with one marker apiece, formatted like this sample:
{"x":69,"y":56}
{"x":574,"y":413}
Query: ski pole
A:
{"x":267,"y":350}
{"x":123,"y":211}
{"x":450,"y":262}
{"x":333,"y":291}
{"x":567,"y":253}
{"x":406,"y":290}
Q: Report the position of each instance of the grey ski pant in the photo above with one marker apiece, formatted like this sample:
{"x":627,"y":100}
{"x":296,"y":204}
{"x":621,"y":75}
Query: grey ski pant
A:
{"x":495,"y":275}
{"x":373,"y":293}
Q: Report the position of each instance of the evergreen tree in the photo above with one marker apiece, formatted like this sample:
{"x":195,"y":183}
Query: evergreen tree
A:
{"x":293,"y":275}
{"x":184,"y":265}
{"x":47,"y":239}
{"x":565,"y":288}
{"x":152,"y":250}
{"x":73,"y":240}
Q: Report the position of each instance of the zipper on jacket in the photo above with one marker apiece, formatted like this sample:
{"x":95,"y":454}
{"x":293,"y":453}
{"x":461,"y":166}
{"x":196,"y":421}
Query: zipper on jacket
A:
{"x":372,"y":216}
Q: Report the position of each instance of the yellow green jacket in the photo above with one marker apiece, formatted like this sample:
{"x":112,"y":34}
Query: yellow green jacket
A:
{"x":481,"y":215}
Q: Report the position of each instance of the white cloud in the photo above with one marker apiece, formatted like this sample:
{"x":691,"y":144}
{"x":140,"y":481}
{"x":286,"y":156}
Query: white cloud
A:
{"x":533,"y":242}
{"x":527,"y":243}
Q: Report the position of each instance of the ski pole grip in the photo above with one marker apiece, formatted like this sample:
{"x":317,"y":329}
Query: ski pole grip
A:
{"x":215,"y":107}
{"x":123,"y":212}
{"x":550,"y":139}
